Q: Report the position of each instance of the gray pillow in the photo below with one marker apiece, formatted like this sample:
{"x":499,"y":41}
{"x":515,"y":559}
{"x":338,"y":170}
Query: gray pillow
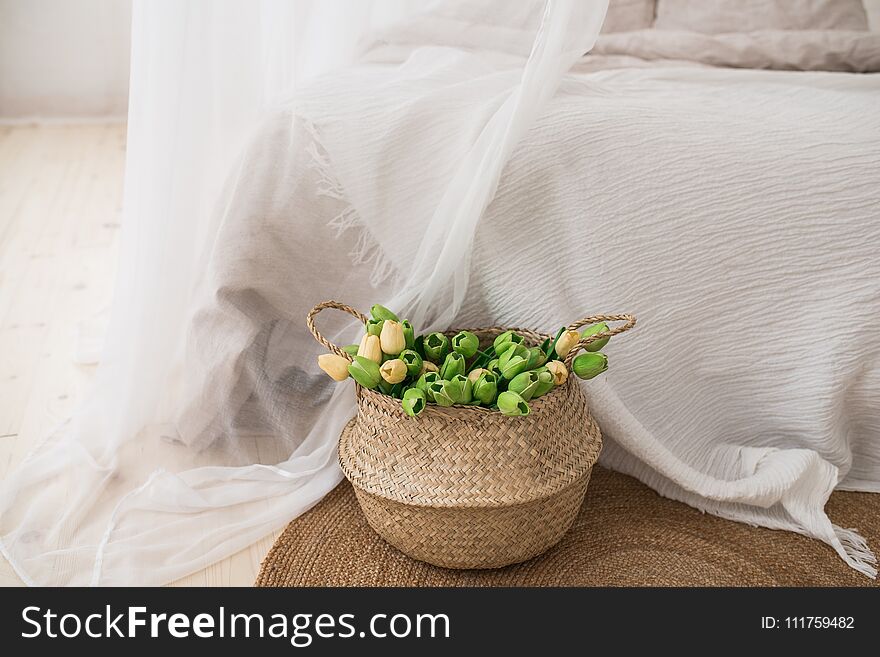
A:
{"x":723,"y":16}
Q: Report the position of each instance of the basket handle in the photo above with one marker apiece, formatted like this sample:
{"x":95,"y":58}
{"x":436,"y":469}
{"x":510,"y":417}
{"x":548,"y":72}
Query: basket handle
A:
{"x":310,"y":321}
{"x":593,"y":319}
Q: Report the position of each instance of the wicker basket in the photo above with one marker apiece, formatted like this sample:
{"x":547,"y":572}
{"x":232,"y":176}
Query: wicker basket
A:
{"x":466,"y":487}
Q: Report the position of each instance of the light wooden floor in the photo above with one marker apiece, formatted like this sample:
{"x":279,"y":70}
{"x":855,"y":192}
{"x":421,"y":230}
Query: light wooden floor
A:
{"x":60,"y":203}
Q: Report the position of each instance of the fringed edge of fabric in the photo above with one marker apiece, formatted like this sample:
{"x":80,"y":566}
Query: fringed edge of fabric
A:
{"x":367,"y":250}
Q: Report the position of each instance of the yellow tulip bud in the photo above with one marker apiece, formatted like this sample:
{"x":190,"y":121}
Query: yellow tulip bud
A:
{"x":370,"y":348}
{"x":473,"y":375}
{"x":558,"y":370}
{"x":566,"y":342}
{"x":393,"y":371}
{"x":392,"y":339}
{"x":335,"y":366}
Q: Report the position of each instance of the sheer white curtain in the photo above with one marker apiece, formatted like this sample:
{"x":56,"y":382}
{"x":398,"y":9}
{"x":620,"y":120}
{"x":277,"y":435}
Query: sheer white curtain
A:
{"x":208,"y":425}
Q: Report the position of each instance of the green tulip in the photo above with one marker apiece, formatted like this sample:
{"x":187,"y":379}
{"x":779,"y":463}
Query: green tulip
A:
{"x":412,"y":361}
{"x":452,"y":366}
{"x":513,"y":361}
{"x":457,"y":390}
{"x":351,"y":349}
{"x":510,"y":403}
{"x":593,"y":330}
{"x":436,"y":394}
{"x":365,"y":372}
{"x":589,"y":364}
{"x":545,"y":382}
{"x":536,"y":358}
{"x":374,"y":327}
{"x":424,"y":383}
{"x":409,"y":334}
{"x":485,"y":388}
{"x":466,"y":344}
{"x":382,"y":313}
{"x":413,"y":401}
{"x":506,"y":340}
{"x":492,"y":366}
{"x":524,"y":384}
{"x":436,"y":347}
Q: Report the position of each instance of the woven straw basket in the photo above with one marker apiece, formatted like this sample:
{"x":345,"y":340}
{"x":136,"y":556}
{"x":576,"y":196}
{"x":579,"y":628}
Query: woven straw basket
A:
{"x":464,"y":486}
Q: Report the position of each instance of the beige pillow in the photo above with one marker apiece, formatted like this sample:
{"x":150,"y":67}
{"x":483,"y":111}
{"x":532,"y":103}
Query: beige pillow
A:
{"x":722,"y":16}
{"x":628,"y":15}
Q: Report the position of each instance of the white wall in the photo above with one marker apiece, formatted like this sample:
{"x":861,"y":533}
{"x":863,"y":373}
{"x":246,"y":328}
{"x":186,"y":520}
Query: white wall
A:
{"x":64,"y":58}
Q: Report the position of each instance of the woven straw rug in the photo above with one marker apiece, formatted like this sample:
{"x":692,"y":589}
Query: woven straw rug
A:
{"x":625,"y":535}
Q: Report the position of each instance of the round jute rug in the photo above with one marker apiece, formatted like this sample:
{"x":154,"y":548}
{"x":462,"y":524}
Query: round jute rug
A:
{"x":625,"y":535}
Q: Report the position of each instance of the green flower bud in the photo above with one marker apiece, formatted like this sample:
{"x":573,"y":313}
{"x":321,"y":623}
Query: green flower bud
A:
{"x":351,"y":349}
{"x":466,"y":344}
{"x":437,"y":395}
{"x":593,"y":330}
{"x":536,"y":358}
{"x":510,"y":403}
{"x":492,"y":366}
{"x":374,"y":327}
{"x":412,"y":361}
{"x":413,"y":401}
{"x":452,"y":366}
{"x":365,"y":372}
{"x":457,"y":390}
{"x":524,"y":384}
{"x":513,"y":361}
{"x":485,"y":388}
{"x":436,"y":347}
{"x":409,"y":334}
{"x":506,"y":340}
{"x":545,"y":382}
{"x":589,"y":364}
{"x":424,"y":384}
{"x":382,"y":313}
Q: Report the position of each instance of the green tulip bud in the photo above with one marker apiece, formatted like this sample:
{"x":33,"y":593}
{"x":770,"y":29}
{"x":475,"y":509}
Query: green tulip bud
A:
{"x":351,"y":349}
{"x":457,"y":390}
{"x":524,"y":384}
{"x":382,"y":313}
{"x":365,"y":372}
{"x":452,"y":366}
{"x":466,"y":344}
{"x":510,"y":403}
{"x":492,"y":366}
{"x":413,"y":401}
{"x":593,"y":330}
{"x":424,"y":384}
{"x":513,"y":361}
{"x":436,"y":347}
{"x":536,"y":358}
{"x":437,"y":394}
{"x":412,"y":361}
{"x":409,"y":334}
{"x":485,"y":388}
{"x":506,"y":340}
{"x":545,"y":382}
{"x":589,"y":364}
{"x":374,"y":327}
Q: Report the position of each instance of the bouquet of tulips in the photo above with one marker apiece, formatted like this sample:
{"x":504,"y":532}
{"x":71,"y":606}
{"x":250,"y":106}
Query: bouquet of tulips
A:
{"x":434,"y":369}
